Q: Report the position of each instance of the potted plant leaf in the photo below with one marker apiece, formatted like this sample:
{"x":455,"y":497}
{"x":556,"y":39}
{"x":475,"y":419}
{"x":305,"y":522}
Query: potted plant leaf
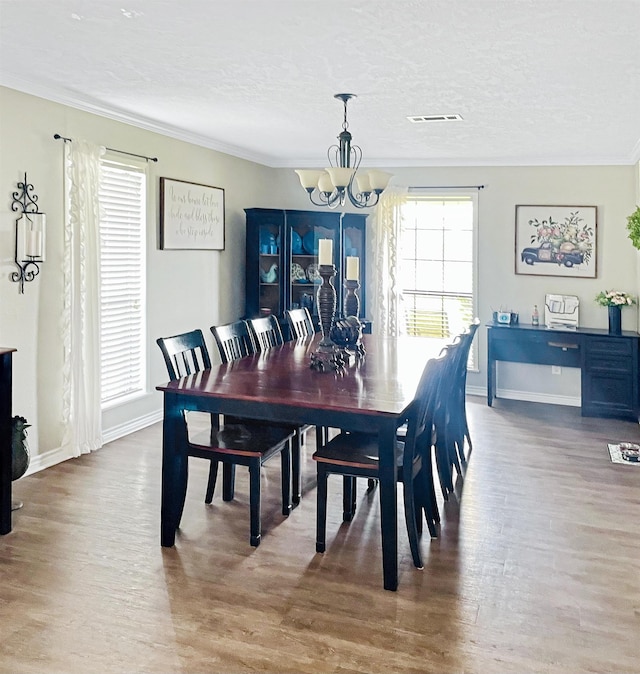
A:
{"x":633,"y":226}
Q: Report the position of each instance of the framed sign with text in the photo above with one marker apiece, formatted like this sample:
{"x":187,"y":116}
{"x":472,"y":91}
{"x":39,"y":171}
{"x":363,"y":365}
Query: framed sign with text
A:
{"x":191,"y":216}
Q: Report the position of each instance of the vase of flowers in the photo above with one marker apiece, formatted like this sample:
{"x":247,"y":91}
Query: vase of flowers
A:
{"x":614,"y":300}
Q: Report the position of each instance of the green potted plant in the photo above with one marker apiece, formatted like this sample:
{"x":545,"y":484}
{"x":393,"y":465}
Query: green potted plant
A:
{"x":633,"y":225}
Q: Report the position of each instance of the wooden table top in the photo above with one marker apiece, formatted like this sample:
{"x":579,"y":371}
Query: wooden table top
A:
{"x":384,"y":382}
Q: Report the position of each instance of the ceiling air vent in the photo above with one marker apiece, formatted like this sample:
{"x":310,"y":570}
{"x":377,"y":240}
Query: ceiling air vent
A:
{"x":420,"y":119}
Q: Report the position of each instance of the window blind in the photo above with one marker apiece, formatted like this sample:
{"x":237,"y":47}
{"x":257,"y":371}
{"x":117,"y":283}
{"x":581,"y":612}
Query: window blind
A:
{"x":122,"y":280}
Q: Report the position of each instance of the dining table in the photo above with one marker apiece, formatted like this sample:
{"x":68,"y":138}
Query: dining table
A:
{"x":370,"y":394}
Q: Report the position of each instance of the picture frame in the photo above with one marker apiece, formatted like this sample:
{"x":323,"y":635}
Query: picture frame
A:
{"x":556,"y":241}
{"x":191,"y":216}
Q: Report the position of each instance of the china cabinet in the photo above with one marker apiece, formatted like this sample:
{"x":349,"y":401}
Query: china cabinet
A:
{"x":282,"y":258}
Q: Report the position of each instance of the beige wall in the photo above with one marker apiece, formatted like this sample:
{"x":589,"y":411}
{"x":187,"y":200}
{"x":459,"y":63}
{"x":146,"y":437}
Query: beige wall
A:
{"x":188,"y":289}
{"x":611,"y":188}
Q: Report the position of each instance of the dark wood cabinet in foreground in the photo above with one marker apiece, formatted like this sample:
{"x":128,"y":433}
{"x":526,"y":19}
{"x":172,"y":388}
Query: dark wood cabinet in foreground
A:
{"x":608,"y":363}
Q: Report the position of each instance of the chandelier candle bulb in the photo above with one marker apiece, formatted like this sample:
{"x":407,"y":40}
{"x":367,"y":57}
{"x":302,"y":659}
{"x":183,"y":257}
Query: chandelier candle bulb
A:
{"x":353,"y":269}
{"x":325,"y":251}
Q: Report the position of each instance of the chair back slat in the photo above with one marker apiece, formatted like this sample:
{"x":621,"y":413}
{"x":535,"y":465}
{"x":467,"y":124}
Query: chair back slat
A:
{"x":266,"y":332}
{"x":234,"y":341}
{"x":300,"y":323}
{"x":184,"y":354}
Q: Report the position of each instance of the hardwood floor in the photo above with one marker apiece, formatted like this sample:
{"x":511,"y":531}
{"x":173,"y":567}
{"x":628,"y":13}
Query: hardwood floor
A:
{"x":536,"y":569}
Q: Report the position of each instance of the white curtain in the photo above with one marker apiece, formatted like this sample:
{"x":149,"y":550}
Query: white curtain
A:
{"x":388,"y":319}
{"x":81,"y":314}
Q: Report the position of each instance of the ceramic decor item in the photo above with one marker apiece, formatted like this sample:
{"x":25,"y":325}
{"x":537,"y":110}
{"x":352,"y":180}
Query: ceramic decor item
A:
{"x":310,"y":243}
{"x":313,"y":274}
{"x":297,"y":273}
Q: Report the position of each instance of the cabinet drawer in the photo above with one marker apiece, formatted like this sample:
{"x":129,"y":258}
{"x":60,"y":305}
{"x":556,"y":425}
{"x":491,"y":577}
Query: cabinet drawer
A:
{"x":609,"y":346}
{"x":536,"y":348}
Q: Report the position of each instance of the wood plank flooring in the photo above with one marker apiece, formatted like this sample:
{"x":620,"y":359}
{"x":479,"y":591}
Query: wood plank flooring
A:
{"x":537,"y":568}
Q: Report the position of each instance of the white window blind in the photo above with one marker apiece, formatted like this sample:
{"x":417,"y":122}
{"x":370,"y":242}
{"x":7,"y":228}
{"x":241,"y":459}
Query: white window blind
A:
{"x":122,"y":281}
{"x":438,"y":264}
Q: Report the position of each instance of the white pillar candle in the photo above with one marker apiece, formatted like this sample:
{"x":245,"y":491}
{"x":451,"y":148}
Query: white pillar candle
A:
{"x":34,"y":241}
{"x":353,"y":269}
{"x":325,"y":251}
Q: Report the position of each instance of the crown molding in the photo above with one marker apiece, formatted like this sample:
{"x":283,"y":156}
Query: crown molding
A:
{"x":98,"y":108}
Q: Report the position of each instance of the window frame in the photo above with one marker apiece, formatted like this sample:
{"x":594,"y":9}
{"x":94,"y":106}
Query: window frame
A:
{"x":453,"y":194}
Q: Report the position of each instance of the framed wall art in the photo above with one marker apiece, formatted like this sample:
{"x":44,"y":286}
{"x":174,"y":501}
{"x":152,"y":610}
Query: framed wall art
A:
{"x":556,"y":241}
{"x":191,"y":216}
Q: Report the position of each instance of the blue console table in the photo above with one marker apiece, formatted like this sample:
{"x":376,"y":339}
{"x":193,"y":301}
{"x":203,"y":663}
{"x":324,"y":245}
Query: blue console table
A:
{"x":608,"y":363}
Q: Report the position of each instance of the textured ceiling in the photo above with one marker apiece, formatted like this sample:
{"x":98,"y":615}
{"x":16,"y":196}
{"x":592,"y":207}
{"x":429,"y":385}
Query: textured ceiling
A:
{"x":536,"y":82}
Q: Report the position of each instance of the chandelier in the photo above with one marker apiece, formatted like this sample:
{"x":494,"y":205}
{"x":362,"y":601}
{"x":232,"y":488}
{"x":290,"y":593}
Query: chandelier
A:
{"x":333,"y":186}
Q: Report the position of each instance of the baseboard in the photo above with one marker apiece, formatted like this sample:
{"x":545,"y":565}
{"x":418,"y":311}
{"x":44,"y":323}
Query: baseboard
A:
{"x":528,"y":396}
{"x":58,"y":455}
{"x":117,"y":432}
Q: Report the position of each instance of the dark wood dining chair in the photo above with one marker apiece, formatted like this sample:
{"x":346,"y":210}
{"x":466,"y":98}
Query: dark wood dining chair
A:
{"x":458,"y":411}
{"x":354,"y":455}
{"x":299,"y":322}
{"x":187,"y":354}
{"x":266,"y":332}
{"x":235,"y":340}
{"x":230,"y":443}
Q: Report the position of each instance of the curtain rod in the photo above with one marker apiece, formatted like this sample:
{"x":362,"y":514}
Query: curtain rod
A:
{"x":57,"y":136}
{"x":447,"y":187}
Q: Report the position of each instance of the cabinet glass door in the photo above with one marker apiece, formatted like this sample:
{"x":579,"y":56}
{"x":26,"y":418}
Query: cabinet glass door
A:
{"x":353,"y":246}
{"x":305,"y":230}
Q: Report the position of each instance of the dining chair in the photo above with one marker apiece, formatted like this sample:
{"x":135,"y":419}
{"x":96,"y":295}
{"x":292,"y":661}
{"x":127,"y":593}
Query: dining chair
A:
{"x":235,"y":340}
{"x":299,"y":322}
{"x":458,"y":403}
{"x":355,"y":454}
{"x":266,"y":332}
{"x":451,"y":427}
{"x":187,"y":354}
{"x":230,"y":443}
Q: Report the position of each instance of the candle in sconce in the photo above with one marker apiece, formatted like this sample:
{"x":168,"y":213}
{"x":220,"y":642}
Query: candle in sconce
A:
{"x":34,"y":244}
{"x":353,"y":269}
{"x":325,"y":251}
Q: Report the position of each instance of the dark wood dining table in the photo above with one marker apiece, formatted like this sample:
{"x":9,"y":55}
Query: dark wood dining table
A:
{"x":370,"y":395}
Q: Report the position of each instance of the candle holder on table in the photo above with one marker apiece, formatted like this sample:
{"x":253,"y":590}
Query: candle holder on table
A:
{"x":327,"y":355}
{"x":352,"y":328}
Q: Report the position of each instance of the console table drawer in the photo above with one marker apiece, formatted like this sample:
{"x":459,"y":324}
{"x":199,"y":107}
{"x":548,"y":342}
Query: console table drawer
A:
{"x":537,"y":348}
{"x":610,"y":347}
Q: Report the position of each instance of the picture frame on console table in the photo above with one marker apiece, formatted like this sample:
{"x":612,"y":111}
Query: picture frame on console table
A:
{"x":556,"y":241}
{"x":191,"y":216}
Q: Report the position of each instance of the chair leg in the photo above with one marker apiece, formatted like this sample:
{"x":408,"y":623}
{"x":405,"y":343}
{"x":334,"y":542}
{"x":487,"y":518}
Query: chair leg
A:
{"x":296,"y":492}
{"x":254,"y":502}
{"x":321,"y":510}
{"x":285,"y":457}
{"x":211,"y":484}
{"x":228,"y":481}
{"x":348,"y":498}
{"x":428,"y":493}
{"x":410,"y":520}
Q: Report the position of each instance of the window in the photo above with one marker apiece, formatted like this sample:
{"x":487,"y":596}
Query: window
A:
{"x":122,"y":281}
{"x":437,"y":264}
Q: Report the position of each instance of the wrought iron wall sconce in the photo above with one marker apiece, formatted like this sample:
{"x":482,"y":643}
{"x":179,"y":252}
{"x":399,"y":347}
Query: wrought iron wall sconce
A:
{"x":30,"y":234}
